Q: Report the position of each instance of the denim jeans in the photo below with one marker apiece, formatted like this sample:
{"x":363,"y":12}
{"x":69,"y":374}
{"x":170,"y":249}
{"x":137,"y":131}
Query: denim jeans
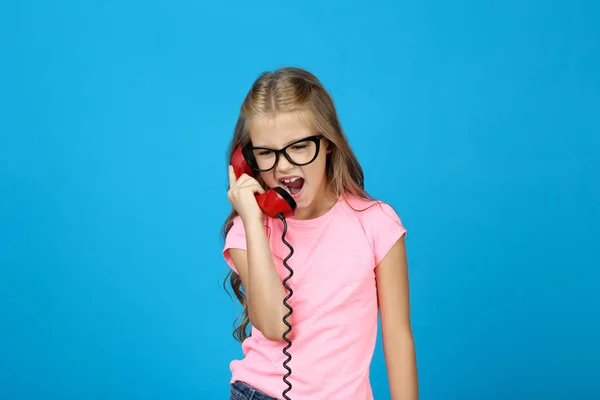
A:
{"x":243,"y":391}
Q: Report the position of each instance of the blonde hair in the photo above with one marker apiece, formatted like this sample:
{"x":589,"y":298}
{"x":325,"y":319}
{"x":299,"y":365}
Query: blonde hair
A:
{"x":295,"y":90}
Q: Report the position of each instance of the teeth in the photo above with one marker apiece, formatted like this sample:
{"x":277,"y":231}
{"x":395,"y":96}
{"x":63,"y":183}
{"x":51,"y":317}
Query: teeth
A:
{"x":289,"y":180}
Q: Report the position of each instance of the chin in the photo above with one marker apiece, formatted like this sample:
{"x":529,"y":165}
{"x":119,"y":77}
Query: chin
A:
{"x":304,"y":202}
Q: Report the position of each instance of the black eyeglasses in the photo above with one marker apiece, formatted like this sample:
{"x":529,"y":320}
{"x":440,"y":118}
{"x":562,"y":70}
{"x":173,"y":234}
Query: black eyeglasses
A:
{"x":301,"y":152}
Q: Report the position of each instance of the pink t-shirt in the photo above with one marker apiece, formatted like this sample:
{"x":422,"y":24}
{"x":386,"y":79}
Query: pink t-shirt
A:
{"x":335,"y":302}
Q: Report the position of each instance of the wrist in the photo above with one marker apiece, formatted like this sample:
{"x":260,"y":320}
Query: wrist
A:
{"x":253,"y":222}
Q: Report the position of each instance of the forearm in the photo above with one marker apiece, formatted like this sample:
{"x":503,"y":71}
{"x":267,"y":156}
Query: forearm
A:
{"x":402,"y":367}
{"x":265,"y":291}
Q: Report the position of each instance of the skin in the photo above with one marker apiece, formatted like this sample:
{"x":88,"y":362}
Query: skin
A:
{"x":391,"y":275}
{"x":256,"y":268}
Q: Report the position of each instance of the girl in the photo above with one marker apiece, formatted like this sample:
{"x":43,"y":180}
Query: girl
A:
{"x":349,"y":256}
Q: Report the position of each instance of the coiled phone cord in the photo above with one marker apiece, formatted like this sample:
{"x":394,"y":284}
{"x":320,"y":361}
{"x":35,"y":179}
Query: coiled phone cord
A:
{"x":291,"y":310}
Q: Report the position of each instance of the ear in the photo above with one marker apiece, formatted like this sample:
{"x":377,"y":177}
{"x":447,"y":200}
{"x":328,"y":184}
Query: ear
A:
{"x":327,"y":146}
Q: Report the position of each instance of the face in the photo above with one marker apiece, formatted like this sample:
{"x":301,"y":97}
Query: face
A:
{"x":306,"y":183}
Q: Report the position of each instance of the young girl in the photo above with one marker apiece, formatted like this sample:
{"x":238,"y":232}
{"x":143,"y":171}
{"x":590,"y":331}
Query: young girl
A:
{"x":349,"y":257}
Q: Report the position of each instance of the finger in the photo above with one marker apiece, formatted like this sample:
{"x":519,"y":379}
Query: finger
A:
{"x":245,"y":179}
{"x":254,"y":187}
{"x":232,"y":179}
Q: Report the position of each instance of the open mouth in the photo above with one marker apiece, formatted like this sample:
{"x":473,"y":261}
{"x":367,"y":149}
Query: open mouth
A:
{"x":293,"y":185}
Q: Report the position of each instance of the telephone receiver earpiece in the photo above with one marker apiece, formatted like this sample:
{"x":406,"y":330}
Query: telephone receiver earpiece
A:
{"x":274,"y":202}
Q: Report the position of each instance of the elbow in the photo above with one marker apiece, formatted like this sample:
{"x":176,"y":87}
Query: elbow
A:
{"x":275,"y":332}
{"x":273,"y":337}
{"x":271,"y":324}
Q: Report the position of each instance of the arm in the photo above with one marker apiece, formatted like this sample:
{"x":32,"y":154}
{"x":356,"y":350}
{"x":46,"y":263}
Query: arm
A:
{"x":263,"y":287}
{"x":398,"y":343}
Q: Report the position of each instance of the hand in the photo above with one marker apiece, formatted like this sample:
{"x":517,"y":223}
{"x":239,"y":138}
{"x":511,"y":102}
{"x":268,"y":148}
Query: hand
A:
{"x":241,"y":196}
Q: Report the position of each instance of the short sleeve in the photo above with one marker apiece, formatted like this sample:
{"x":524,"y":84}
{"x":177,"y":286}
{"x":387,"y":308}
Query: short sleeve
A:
{"x":235,"y":239}
{"x":385,"y":228}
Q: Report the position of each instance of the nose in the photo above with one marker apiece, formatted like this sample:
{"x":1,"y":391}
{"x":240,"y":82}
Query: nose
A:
{"x":283,"y":165}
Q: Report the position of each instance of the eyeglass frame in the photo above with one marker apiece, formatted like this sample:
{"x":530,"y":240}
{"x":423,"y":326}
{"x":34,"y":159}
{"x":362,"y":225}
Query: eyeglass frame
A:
{"x":247,"y":152}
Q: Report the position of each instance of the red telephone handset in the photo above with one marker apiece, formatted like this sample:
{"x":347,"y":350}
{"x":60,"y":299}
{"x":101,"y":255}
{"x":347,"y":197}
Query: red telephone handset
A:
{"x":274,"y":201}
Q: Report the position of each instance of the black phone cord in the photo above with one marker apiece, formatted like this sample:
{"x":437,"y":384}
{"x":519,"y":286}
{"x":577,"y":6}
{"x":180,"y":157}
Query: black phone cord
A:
{"x":291,"y":310}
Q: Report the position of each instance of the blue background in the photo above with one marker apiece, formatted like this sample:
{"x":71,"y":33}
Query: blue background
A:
{"x":478,"y":120}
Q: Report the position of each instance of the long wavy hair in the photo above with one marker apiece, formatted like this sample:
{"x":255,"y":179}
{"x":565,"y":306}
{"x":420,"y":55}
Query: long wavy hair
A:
{"x":290,"y":90}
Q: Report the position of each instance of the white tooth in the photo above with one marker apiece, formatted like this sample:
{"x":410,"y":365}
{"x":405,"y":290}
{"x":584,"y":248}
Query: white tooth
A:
{"x":290,"y":180}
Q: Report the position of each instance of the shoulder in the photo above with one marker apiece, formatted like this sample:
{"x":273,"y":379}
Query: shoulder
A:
{"x":380,"y":222}
{"x":236,"y":234}
{"x":373,"y":212}
{"x":236,"y":227}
